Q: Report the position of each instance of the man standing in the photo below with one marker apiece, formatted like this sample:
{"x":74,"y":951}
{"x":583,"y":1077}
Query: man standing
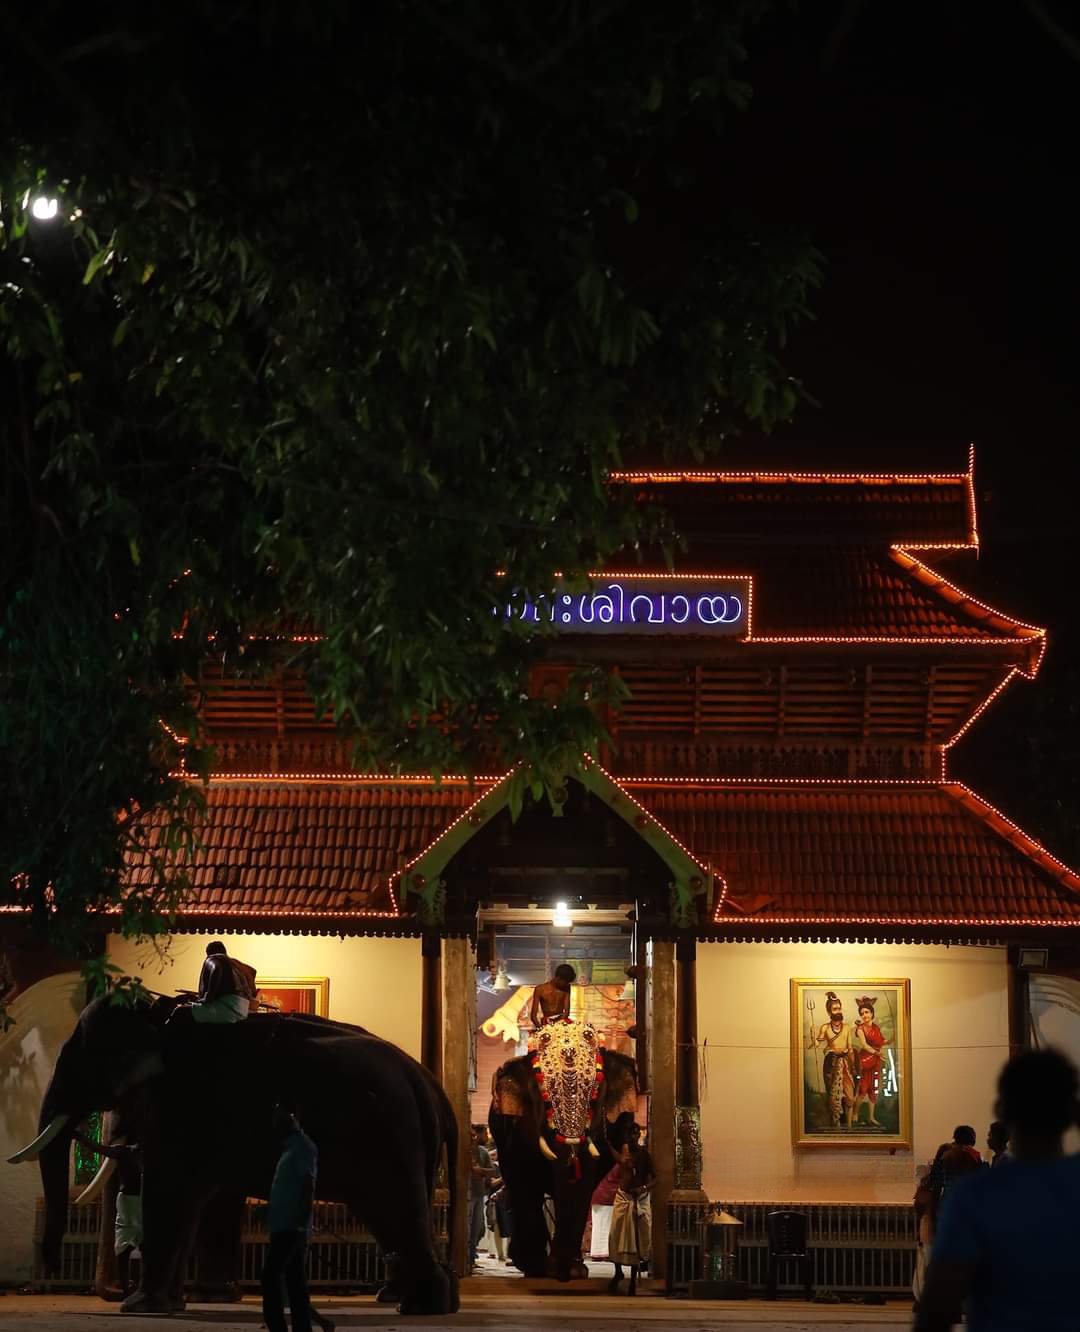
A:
{"x":226,"y":988}
{"x":838,"y":1038}
{"x":630,"y":1238}
{"x":292,"y":1197}
{"x":953,"y":1161}
{"x":551,"y":1000}
{"x":998,"y":1141}
{"x":480,"y":1171}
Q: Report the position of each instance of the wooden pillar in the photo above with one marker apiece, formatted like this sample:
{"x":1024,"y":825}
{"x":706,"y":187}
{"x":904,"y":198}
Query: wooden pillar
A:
{"x":459,"y":982}
{"x":641,"y":1004}
{"x":431,"y":1004}
{"x":1019,"y":1003}
{"x":686,"y":1062}
{"x":662,"y":1100}
{"x":687,"y":1099}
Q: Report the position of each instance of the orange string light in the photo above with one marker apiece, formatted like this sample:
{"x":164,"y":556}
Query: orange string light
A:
{"x":779,"y":478}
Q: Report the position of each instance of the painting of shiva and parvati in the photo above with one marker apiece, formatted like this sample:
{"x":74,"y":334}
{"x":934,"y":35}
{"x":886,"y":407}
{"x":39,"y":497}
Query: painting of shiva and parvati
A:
{"x":850,"y":1063}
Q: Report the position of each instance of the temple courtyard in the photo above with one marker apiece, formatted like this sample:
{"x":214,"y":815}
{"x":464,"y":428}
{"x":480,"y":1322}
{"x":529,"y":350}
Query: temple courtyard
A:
{"x":68,"y":1313}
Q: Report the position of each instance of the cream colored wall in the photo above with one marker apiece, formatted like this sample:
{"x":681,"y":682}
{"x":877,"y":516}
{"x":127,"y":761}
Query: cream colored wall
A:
{"x":45,"y":1017}
{"x":373,"y":982}
{"x":959,"y":1038}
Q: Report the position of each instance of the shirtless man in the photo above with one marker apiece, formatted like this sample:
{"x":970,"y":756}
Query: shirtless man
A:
{"x":551,"y":1000}
{"x":838,"y":1038}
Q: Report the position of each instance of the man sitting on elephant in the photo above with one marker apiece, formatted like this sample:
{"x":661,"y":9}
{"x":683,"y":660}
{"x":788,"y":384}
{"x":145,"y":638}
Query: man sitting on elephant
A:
{"x":551,"y":1001}
{"x":227,"y":990}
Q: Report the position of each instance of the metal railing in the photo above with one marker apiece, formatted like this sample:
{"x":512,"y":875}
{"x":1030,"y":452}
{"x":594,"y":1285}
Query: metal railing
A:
{"x":342,"y":1254}
{"x":855,"y":1248}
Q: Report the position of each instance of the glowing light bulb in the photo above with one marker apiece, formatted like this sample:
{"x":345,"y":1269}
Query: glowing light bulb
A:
{"x":44,"y":209}
{"x":561,"y":917}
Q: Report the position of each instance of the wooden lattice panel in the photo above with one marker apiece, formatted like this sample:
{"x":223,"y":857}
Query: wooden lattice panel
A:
{"x":802,"y":698}
{"x":280,"y":705}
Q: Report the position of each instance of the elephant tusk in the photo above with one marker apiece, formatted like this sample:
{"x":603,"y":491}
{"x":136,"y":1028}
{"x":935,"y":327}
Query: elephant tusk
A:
{"x":90,"y":1193}
{"x":546,"y":1149}
{"x":30,"y":1151}
{"x":593,"y":1150}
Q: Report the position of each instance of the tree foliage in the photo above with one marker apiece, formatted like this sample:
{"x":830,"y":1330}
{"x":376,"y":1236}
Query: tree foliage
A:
{"x":345,"y":310}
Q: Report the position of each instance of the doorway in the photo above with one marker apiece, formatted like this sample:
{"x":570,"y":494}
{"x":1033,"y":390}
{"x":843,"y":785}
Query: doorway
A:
{"x":520,"y":950}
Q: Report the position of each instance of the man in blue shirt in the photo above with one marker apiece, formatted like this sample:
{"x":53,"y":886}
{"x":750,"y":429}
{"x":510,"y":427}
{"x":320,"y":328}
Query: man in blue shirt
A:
{"x":292,"y":1196}
{"x":1008,"y":1239}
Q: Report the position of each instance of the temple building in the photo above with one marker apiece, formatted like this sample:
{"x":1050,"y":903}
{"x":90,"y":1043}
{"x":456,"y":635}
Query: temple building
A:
{"x":820,"y":946}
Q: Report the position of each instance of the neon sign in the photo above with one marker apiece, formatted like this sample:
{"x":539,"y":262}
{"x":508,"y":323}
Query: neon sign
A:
{"x":641,"y":606}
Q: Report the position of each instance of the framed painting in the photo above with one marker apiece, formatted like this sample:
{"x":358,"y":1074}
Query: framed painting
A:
{"x":295,"y":994}
{"x":851,"y":1063}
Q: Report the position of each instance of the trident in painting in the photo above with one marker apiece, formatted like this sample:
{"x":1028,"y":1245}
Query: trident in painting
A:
{"x":813,"y":1045}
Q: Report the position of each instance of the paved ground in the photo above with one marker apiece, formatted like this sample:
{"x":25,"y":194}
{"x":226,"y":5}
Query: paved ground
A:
{"x":499,"y":1312}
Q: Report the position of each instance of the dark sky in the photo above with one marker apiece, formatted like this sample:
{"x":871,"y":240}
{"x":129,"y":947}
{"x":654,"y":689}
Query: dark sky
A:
{"x":930,"y":149}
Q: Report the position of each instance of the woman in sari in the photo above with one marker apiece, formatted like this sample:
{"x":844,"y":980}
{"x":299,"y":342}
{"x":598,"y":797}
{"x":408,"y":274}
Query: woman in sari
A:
{"x":870,"y":1043}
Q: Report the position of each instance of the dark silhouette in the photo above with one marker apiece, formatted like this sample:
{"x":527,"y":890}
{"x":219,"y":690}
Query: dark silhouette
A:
{"x":953,"y":1161}
{"x":997,"y":1139}
{"x":1006,"y":1240}
{"x":292,"y":1197}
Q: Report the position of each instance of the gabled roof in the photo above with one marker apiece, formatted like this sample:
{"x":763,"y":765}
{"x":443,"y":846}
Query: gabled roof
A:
{"x":865,"y":593}
{"x":905,"y":853}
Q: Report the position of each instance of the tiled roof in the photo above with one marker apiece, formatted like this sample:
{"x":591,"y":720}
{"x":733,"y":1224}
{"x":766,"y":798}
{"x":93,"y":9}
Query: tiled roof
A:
{"x":805,"y":508}
{"x":854,"y":852}
{"x":299,"y":848}
{"x":853,"y":590}
{"x":786,"y":853}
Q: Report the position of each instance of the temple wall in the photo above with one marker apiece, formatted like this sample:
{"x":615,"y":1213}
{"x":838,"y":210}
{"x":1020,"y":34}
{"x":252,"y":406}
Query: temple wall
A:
{"x":959,"y":1039}
{"x":375,"y":983}
{"x":44,"y":1016}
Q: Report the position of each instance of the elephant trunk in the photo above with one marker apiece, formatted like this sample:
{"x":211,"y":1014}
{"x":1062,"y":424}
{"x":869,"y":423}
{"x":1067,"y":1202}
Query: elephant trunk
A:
{"x":59,"y":1104}
{"x":54,"y":1164}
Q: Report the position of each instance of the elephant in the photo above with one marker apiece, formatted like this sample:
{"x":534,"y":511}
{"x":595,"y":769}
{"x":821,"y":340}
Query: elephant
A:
{"x":556,"y":1116}
{"x":199,"y":1099}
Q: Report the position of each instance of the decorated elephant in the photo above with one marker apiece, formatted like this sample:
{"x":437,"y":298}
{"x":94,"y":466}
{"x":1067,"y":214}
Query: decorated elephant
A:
{"x":199,"y":1100}
{"x":555,"y":1117}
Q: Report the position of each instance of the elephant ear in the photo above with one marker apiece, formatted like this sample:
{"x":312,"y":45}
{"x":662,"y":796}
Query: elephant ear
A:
{"x":620,"y":1086}
{"x":509,"y":1095}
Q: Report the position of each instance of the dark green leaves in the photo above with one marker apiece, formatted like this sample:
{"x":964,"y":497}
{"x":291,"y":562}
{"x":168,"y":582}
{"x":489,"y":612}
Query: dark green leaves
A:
{"x":384,"y":300}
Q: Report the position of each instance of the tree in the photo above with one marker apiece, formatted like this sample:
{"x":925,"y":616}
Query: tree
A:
{"x":328,"y":316}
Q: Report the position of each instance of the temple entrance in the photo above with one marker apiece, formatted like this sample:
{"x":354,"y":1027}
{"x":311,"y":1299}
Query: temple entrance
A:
{"x":519,"y":950}
{"x":557,"y":887}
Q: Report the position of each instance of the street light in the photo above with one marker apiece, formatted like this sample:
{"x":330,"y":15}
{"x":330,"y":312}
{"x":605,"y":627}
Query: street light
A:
{"x":561,"y":918}
{"x":44,"y":209}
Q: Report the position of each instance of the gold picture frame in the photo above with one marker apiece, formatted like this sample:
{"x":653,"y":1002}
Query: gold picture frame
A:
{"x":294,"y":994}
{"x":850,"y":1067}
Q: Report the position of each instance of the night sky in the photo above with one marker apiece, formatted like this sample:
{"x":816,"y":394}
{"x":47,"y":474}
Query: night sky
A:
{"x":930,"y":151}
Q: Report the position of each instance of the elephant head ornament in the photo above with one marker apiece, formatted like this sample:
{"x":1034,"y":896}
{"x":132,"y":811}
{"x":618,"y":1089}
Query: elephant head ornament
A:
{"x":568,"y":1066}
{"x":552,"y":1113}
